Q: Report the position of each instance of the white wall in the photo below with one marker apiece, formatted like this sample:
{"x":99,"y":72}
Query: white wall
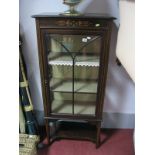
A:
{"x":120,"y":89}
{"x":125,"y":49}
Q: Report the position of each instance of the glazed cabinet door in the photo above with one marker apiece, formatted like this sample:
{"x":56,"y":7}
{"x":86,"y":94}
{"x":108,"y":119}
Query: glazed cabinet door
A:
{"x":72,"y":71}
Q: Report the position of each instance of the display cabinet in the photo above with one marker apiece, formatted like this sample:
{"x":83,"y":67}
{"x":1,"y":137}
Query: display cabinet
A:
{"x":73,"y":56}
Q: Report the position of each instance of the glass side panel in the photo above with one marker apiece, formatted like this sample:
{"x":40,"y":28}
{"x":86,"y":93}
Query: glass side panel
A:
{"x":73,"y":62}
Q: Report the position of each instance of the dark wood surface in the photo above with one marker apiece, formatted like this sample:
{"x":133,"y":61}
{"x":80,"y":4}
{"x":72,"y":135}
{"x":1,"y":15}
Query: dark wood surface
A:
{"x":87,"y":15}
{"x":83,"y":25}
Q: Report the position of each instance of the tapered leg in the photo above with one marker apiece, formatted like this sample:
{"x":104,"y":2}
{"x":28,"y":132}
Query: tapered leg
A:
{"x":98,"y":134}
{"x":47,"y":131}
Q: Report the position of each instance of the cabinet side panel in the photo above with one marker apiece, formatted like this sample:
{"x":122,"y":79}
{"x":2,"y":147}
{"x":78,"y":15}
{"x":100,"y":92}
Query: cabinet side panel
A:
{"x":104,"y":59}
{"x":41,"y":65}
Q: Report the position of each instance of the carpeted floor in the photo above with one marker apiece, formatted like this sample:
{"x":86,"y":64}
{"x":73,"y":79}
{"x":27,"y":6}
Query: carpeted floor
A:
{"x":113,"y":142}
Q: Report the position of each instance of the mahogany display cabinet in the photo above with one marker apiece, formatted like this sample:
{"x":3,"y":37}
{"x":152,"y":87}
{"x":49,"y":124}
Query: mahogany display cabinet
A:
{"x":73,"y":57}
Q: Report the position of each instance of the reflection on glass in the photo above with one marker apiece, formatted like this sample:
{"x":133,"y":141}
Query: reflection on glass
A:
{"x":73,"y":66}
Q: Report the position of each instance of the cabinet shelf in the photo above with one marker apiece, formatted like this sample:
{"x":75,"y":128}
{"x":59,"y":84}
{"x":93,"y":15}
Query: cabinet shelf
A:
{"x":90,"y":61}
{"x":65,"y":107}
{"x":79,"y":86}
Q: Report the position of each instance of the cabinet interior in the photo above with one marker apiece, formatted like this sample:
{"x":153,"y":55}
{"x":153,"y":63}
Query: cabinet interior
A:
{"x":73,"y":62}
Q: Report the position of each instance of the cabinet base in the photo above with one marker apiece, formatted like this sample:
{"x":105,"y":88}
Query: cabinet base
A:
{"x":74,"y":131}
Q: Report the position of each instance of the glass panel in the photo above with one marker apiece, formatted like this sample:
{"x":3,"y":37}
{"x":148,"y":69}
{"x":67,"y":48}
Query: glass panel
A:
{"x":60,"y":76}
{"x":86,"y":76}
{"x":73,"y":69}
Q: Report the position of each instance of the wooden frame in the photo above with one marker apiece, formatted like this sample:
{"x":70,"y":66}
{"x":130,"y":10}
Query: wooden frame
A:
{"x":91,"y":24}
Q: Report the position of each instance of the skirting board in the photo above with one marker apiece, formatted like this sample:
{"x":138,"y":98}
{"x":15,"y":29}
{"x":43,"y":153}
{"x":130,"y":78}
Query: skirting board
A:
{"x":118,"y":120}
{"x":110,"y":120}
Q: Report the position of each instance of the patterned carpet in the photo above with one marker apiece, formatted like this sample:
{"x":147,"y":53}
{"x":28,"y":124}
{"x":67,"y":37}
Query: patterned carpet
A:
{"x":113,"y":142}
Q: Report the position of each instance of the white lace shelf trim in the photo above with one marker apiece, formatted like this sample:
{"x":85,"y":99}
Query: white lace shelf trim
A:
{"x":70,"y":63}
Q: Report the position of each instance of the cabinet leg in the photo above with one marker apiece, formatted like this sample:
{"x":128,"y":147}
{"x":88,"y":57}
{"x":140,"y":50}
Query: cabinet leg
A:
{"x":98,"y":135}
{"x":47,"y":131}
